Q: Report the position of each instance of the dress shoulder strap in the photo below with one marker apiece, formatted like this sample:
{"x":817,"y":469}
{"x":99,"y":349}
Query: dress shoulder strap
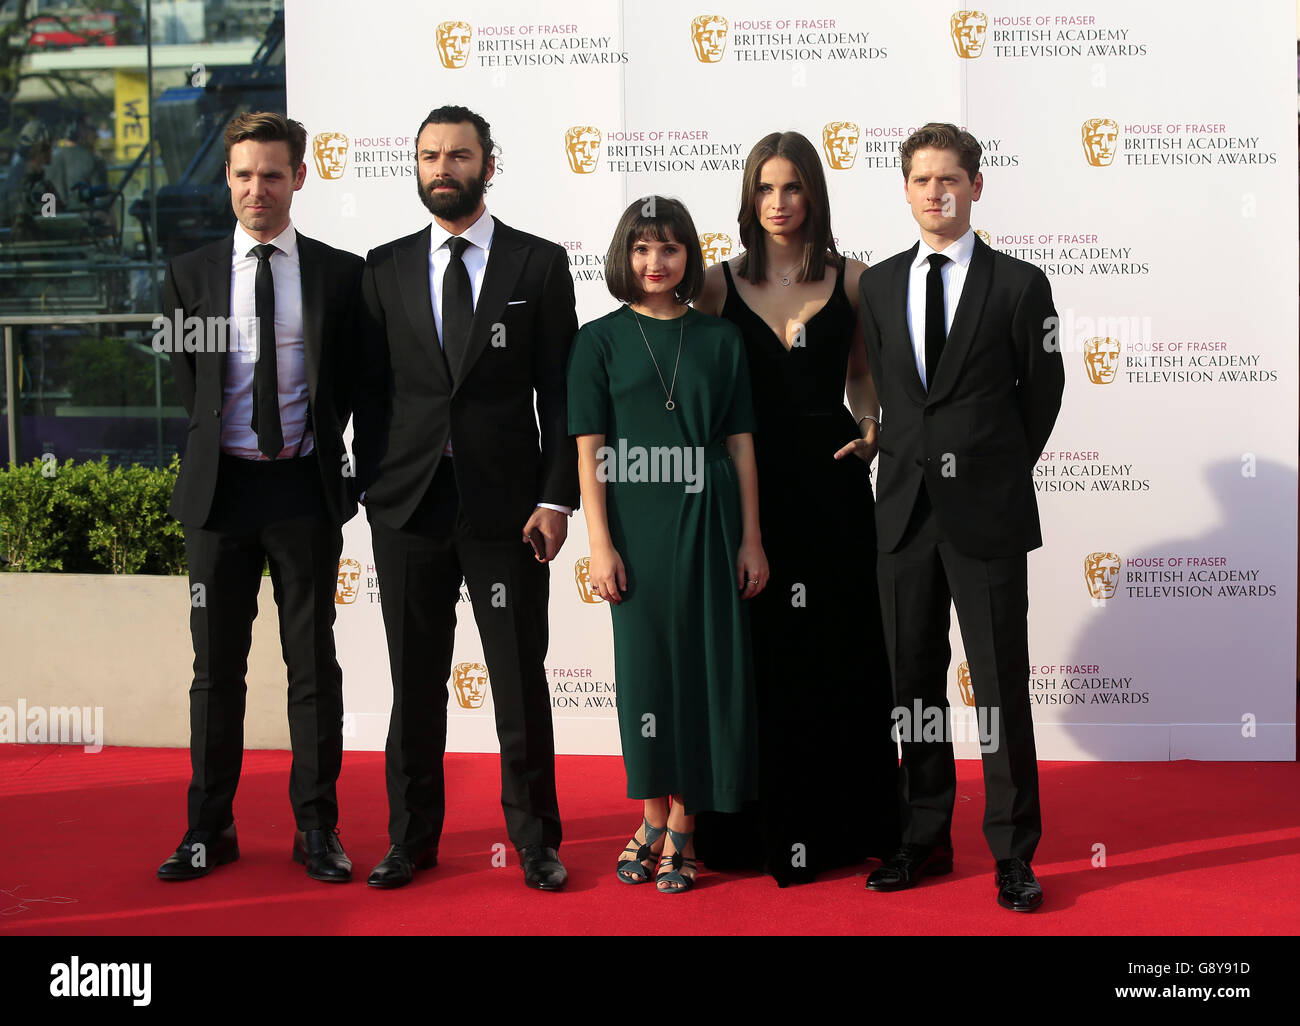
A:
{"x":733,"y":296}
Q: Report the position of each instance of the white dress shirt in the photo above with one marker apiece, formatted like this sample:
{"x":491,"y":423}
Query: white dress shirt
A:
{"x":479,"y":235}
{"x":959,"y":255}
{"x":237,"y":435}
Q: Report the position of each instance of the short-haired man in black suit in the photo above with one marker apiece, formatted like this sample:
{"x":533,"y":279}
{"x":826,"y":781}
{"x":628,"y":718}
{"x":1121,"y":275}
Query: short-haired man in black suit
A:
{"x":262,"y":342}
{"x":963,"y":351}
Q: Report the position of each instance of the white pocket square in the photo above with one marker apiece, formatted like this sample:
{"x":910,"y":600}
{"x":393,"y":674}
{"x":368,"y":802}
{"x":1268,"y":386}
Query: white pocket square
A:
{"x":516,"y":302}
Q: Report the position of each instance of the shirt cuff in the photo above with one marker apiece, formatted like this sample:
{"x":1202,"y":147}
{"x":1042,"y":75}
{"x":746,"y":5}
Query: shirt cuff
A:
{"x":566,"y":510}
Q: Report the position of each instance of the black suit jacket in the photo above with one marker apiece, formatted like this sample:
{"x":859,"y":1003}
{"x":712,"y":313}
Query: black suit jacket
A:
{"x":975,"y":436}
{"x":410,"y":402}
{"x":197,"y":284}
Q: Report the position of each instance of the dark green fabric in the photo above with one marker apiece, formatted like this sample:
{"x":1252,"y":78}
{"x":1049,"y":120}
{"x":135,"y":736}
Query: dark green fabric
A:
{"x":681,"y":642}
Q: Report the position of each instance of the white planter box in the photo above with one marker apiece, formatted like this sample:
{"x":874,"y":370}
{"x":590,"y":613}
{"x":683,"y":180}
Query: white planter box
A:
{"x":121,"y":644}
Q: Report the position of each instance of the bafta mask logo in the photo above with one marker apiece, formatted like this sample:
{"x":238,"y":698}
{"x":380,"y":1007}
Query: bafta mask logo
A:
{"x":330,"y":151}
{"x":470,"y":682}
{"x":840,"y":144}
{"x":582,"y":575}
{"x":1101,"y":359}
{"x":709,"y":37}
{"x":1100,"y":136}
{"x":453,"y":43}
{"x":349,"y":583}
{"x":582,"y":147}
{"x":964,"y":684}
{"x":1101,"y":572}
{"x":715,"y":247}
{"x":968,"y":28}
{"x":985,"y":237}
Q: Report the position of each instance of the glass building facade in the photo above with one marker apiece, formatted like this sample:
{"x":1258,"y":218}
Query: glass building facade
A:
{"x":111,"y":162}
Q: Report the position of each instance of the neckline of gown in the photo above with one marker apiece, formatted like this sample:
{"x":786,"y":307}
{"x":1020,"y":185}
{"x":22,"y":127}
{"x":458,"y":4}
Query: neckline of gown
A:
{"x":658,"y":323}
{"x":732,"y":290}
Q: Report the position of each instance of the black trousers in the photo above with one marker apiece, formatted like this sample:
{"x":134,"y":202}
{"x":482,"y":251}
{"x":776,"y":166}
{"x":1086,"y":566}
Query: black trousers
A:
{"x":919,"y":582}
{"x":420,"y":569}
{"x":265,"y":512}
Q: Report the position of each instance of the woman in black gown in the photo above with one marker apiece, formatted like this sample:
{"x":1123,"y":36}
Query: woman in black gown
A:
{"x":828,"y":765}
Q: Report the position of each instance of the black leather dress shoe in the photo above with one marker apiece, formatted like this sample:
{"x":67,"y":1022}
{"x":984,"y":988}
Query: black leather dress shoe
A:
{"x":322,"y":853}
{"x":397,"y":867}
{"x":542,"y":868}
{"x":200,"y":853}
{"x":1018,"y":888}
{"x":907,"y":865}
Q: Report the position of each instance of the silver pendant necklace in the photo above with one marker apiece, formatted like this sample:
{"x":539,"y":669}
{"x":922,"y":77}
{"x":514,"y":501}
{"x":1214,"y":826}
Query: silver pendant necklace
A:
{"x":785,"y":278}
{"x":668,"y":389}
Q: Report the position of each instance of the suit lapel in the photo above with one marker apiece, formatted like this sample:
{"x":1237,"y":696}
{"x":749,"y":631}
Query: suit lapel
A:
{"x":504,"y":265}
{"x":964,"y":321}
{"x":412,"y":262}
{"x":218,"y":283}
{"x":907,"y":356}
{"x":311,"y":269}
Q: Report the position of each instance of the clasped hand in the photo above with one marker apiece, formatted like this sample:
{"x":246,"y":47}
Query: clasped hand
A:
{"x":554,"y":528}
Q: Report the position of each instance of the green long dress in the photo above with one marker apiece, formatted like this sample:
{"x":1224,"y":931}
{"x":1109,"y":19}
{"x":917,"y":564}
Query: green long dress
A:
{"x":686,"y":700}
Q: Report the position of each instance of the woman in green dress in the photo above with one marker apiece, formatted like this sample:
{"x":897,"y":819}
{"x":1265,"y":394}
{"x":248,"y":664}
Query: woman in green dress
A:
{"x":659,"y":401}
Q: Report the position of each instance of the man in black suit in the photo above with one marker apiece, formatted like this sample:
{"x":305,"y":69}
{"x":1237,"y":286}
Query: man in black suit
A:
{"x":262,"y":331}
{"x":469,"y":324}
{"x":961,"y":343}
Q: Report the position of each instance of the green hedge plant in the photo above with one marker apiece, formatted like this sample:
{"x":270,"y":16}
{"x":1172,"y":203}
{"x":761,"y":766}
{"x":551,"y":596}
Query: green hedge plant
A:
{"x":89,"y":518}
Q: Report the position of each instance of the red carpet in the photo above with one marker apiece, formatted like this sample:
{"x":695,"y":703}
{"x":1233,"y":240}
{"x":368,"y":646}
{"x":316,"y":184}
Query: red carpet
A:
{"x":1190,"y":848}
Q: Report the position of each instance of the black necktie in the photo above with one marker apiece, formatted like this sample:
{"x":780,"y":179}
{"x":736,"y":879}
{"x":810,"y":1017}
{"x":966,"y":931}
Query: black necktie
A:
{"x":457,"y":304}
{"x":936,"y":319}
{"x":266,"y":385}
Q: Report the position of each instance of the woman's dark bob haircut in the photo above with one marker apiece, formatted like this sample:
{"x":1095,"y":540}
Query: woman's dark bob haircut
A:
{"x":661,"y":220}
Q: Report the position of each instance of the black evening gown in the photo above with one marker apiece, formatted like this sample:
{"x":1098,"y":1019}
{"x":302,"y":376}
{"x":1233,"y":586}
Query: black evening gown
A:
{"x":827,"y":764}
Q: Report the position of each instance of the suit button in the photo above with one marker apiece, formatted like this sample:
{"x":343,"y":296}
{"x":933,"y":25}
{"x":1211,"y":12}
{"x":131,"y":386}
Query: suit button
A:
{"x":216,"y":413}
